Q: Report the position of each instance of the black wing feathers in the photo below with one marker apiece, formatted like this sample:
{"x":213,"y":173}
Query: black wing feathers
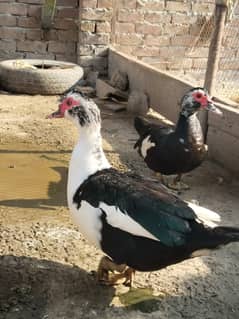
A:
{"x":155,"y":131}
{"x":157,"y":210}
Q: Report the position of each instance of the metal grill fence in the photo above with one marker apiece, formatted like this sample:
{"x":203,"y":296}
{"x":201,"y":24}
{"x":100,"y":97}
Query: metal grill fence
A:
{"x":227,"y":83}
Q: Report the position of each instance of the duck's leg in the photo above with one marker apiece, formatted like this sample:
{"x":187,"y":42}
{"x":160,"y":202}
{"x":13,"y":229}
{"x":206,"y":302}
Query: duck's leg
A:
{"x":129,"y":274}
{"x":106,"y":275}
{"x":177,"y":184}
{"x":106,"y":265}
{"x":125,"y":277}
{"x":161,"y":178}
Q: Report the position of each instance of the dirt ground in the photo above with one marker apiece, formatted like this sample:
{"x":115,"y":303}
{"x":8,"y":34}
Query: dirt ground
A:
{"x":45,"y":263}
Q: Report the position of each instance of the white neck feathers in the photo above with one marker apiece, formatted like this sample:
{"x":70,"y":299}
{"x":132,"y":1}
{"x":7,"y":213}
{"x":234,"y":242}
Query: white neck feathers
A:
{"x":87,"y":158}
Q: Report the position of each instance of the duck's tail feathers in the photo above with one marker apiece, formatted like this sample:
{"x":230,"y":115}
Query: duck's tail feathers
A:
{"x":141,"y":125}
{"x":214,"y":239}
{"x":226,"y":234}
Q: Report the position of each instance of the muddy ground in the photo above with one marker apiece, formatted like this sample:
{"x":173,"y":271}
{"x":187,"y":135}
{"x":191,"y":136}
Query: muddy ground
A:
{"x":45,"y":263}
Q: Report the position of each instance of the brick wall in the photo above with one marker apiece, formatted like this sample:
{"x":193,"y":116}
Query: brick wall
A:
{"x":165,"y":33}
{"x":21,"y":35}
{"x":96,"y":21}
{"x":161,"y":32}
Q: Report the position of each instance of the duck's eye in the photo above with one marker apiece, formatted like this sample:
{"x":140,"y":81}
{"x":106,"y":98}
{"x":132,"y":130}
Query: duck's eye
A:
{"x":199,"y":95}
{"x":69,"y":102}
{"x":75,"y":109}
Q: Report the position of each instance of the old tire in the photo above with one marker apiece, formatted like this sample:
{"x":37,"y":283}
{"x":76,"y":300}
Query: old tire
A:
{"x":35,"y":76}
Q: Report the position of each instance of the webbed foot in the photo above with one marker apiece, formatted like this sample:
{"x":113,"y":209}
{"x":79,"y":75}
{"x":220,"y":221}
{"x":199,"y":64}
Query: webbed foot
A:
{"x":110,"y":273}
{"x":177,"y":184}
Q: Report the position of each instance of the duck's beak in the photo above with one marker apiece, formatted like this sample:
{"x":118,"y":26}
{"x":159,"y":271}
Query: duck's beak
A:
{"x":55,"y":115}
{"x":211,"y":107}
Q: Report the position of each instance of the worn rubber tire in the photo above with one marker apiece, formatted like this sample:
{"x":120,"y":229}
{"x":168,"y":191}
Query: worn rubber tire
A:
{"x":46,"y":81}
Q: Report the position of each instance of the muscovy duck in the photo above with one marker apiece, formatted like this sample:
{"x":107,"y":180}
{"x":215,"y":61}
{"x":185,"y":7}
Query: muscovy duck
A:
{"x":138,"y":224}
{"x":169,"y":151}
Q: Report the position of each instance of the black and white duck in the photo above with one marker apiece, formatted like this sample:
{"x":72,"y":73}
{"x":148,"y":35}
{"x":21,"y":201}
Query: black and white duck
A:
{"x":178,"y":150}
{"x":139,"y":225}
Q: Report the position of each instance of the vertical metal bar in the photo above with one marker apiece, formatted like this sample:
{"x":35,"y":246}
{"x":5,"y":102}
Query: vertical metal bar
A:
{"x":213,"y":57}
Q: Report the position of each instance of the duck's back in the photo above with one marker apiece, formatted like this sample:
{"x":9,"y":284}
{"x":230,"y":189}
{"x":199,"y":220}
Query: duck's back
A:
{"x":173,"y":151}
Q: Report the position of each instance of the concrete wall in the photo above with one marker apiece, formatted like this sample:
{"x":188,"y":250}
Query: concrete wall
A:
{"x":166,"y":91}
{"x":223,"y":138}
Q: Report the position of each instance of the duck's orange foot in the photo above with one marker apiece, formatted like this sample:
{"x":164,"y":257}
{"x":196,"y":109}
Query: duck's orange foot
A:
{"x":177,"y":185}
{"x":110,"y":273}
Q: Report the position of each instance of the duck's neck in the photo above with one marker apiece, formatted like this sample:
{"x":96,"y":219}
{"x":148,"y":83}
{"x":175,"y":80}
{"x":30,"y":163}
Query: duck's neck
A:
{"x":189,"y":126}
{"x":87,"y":158}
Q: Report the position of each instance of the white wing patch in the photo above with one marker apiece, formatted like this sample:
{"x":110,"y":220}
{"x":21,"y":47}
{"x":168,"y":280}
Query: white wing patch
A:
{"x":146,"y":144}
{"x":122,"y":221}
{"x":181,"y":140}
{"x":88,"y":220}
{"x":205,"y":215}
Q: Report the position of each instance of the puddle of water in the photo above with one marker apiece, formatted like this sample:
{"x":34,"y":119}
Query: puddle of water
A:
{"x":29,"y":175}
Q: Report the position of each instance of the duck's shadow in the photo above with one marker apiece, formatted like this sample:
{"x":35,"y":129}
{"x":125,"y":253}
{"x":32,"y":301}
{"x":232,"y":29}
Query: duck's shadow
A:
{"x":34,"y":288}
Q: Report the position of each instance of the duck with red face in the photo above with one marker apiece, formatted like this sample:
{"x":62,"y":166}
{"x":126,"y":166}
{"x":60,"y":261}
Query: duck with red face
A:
{"x":139,"y":225}
{"x":175,"y":151}
{"x":67,"y":103}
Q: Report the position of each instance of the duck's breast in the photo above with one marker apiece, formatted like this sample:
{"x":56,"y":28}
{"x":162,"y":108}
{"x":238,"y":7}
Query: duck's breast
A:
{"x":88,"y":219}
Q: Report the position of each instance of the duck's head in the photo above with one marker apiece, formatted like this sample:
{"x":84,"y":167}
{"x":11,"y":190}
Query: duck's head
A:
{"x":197,"y":99}
{"x":82,"y":112}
